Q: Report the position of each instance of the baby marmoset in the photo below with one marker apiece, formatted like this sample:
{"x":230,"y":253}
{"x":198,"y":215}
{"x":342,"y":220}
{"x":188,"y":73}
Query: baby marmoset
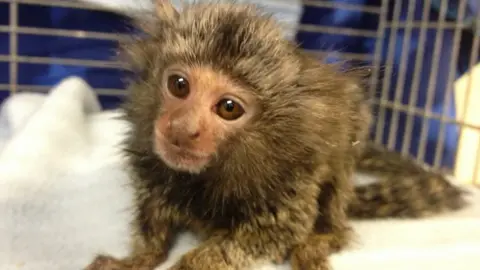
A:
{"x":240,"y":137}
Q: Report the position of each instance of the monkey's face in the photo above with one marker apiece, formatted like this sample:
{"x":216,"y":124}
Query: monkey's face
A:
{"x":220,"y":92}
{"x":200,"y":109}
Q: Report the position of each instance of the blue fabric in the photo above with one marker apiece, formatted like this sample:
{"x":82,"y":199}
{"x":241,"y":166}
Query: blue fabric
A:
{"x":353,"y":44}
{"x":64,"y":47}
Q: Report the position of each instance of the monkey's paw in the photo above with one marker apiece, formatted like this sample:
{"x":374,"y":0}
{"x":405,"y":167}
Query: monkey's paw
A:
{"x":301,"y":261}
{"x":206,"y":258}
{"x":104,"y":262}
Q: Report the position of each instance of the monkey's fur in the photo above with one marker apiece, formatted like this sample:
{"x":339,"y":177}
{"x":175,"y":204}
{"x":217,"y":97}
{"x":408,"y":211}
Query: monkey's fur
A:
{"x":282,"y":187}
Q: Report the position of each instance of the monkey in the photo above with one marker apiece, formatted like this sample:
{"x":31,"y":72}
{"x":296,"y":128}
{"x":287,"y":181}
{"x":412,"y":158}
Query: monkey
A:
{"x":243,"y":138}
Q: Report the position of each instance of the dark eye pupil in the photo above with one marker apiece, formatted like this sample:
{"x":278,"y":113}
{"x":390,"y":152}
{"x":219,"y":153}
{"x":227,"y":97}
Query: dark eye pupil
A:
{"x":180,"y":83}
{"x":178,"y":86}
{"x":229,"y":109}
{"x":229,"y":105}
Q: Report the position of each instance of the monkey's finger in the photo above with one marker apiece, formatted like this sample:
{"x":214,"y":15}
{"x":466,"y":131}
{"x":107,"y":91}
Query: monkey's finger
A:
{"x":313,"y":254}
{"x":299,"y":262}
{"x":104,"y":262}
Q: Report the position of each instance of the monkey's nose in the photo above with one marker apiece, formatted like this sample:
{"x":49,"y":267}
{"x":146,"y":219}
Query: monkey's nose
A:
{"x":184,"y":138}
{"x":194,"y":135}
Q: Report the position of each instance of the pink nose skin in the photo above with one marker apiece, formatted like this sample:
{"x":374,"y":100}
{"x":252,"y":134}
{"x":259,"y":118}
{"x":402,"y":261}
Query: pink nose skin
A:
{"x":182,"y":138}
{"x":182,"y":131}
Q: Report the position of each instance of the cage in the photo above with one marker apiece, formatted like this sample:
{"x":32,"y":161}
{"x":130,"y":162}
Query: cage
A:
{"x":423,"y":56}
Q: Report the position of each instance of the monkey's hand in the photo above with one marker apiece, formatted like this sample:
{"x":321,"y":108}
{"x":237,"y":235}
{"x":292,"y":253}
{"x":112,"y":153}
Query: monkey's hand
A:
{"x":268,"y":237}
{"x":152,"y":239}
{"x":148,"y":253}
{"x":105,"y":262}
{"x":145,"y":261}
{"x":209,"y":256}
{"x":313,"y":253}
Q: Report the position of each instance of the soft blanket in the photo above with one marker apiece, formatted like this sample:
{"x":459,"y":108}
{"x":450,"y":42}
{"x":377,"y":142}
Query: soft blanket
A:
{"x":64,"y":196}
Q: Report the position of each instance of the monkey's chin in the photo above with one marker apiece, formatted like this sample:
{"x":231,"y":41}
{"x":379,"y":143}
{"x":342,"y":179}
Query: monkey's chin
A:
{"x":181,"y":160}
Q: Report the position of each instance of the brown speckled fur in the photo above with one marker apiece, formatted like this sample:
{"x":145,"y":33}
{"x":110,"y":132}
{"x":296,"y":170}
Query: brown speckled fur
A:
{"x":405,"y":189}
{"x":282,"y":186}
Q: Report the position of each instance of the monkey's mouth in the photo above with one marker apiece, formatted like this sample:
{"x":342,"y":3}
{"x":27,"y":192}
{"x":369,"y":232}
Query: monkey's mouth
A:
{"x":182,"y":159}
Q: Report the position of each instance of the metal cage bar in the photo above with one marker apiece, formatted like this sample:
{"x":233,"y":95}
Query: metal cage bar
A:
{"x":416,"y":78}
{"x":432,"y":82}
{"x":402,"y":72}
{"x":451,"y":75}
{"x":13,"y":25}
{"x":380,"y":126}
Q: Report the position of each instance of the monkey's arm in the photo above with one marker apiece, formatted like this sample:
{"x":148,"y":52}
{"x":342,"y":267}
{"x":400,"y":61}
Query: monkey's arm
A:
{"x":266,"y":237}
{"x":146,"y":255}
{"x":152,"y":237}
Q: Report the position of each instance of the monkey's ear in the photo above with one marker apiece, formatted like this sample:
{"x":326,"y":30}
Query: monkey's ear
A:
{"x":165,"y":10}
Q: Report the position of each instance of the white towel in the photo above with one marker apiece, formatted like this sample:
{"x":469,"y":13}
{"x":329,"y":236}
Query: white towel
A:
{"x":63,"y":197}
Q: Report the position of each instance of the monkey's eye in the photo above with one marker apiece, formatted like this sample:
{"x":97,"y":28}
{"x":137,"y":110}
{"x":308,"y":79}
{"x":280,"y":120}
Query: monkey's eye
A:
{"x":229,"y":109}
{"x":178,"y":86}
